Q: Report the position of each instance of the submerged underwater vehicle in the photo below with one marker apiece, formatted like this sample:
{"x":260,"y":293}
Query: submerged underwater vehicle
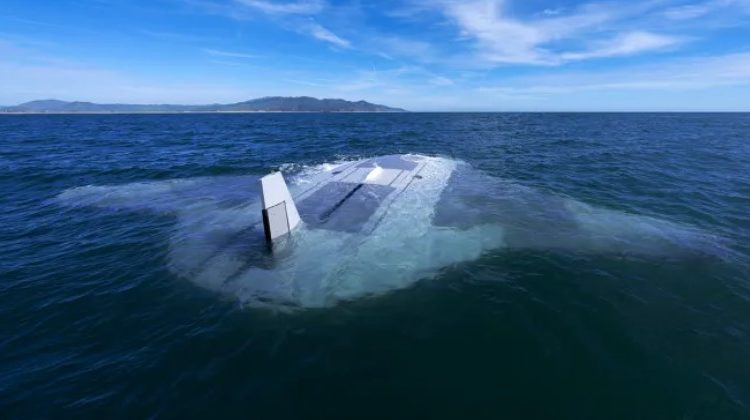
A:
{"x":361,"y":228}
{"x":354,"y":198}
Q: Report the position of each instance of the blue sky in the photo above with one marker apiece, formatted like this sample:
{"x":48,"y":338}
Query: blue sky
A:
{"x":419,"y":54}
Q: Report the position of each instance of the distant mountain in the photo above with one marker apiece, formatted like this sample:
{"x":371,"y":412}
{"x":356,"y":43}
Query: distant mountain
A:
{"x":306,"y":104}
{"x":267,"y":104}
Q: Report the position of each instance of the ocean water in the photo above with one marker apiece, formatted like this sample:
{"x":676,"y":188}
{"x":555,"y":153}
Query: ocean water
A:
{"x":553,"y":266}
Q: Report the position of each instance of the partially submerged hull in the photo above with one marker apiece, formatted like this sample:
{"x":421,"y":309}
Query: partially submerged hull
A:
{"x":368,"y":227}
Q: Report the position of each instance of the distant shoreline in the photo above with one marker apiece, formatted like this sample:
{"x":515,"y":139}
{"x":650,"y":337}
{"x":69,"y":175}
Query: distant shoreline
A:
{"x":193,"y":112}
{"x":359,"y":112}
{"x":266,"y":104}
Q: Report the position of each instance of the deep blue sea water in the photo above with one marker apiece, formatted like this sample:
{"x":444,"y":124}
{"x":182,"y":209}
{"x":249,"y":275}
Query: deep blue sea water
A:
{"x":94,"y":324}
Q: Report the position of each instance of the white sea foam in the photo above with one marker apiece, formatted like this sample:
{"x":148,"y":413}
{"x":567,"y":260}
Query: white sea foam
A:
{"x":456,"y":215}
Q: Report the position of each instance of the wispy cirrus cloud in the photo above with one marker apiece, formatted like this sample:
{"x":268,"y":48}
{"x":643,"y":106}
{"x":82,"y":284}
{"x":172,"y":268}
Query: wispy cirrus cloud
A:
{"x":292,"y":15}
{"x":624,"y":44}
{"x":420,"y":54}
{"x":392,"y":46}
{"x":689,"y":11}
{"x":301,"y":7}
{"x":321,"y":33}
{"x":232,"y":54}
{"x":403,"y":79}
{"x":702,"y":8}
{"x":248,"y":9}
{"x":693,"y":73}
{"x":177,"y":37}
{"x":546,"y":38}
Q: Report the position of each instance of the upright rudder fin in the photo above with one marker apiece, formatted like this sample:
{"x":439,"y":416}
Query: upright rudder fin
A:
{"x":280,"y":215}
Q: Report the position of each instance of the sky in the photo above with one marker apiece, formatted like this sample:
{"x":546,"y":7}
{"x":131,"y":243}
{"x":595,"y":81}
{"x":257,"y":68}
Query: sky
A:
{"x":422,"y":55}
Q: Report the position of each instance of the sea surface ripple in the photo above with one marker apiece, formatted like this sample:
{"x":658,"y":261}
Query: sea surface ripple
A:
{"x":94,"y":324}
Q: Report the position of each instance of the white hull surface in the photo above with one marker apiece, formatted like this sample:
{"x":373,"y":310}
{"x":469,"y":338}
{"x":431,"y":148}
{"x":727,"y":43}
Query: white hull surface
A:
{"x":378,"y":239}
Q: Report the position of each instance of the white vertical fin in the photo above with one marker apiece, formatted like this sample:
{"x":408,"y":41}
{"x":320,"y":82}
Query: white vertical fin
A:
{"x":280,"y":214}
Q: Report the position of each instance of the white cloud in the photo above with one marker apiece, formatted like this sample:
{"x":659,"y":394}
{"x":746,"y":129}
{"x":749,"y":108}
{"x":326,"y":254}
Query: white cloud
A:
{"x":688,"y":11}
{"x":220,"y":53}
{"x":503,"y":39}
{"x":698,"y":83}
{"x":552,"y":12}
{"x":284,"y":13}
{"x":624,"y":44}
{"x":301,"y":7}
{"x":677,"y":75}
{"x":248,"y":9}
{"x":699,"y":9}
{"x":323,"y":34}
